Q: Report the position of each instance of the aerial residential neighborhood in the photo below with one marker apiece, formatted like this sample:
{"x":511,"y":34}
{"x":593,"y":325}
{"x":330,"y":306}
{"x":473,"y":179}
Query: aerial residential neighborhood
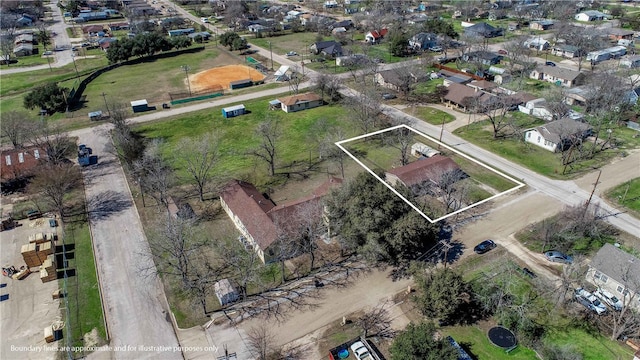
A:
{"x":303,"y":179}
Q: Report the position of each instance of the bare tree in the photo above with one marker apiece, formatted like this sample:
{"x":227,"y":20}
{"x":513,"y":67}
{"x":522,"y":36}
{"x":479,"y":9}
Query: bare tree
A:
{"x":329,"y":85}
{"x":175,"y":247}
{"x":309,"y":227}
{"x":626,"y":321}
{"x":268,"y":133}
{"x":296,"y":78}
{"x":330,"y":151}
{"x":199,"y":157}
{"x":261,"y":341}
{"x":365,"y":109}
{"x":496,"y":109}
{"x":154,"y":174}
{"x":243,"y":263}
{"x":7,"y":42}
{"x":54,"y":182}
{"x":376,"y":321}
{"x":127,"y":145}
{"x":55,"y":142}
{"x":401,"y":139}
{"x":17,"y":126}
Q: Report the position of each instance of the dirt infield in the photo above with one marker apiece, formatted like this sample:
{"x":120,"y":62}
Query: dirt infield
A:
{"x":220,"y":77}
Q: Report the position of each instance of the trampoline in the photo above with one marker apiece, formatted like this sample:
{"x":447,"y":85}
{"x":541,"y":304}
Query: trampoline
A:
{"x":343,"y":354}
{"x":502,"y":337}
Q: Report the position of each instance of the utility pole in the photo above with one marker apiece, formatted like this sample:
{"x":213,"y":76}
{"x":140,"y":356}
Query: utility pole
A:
{"x":271,"y":52}
{"x":186,"y":69}
{"x":586,"y":205}
{"x":441,"y":131}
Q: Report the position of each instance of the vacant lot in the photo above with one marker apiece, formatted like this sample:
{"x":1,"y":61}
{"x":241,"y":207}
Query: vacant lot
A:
{"x":627,"y":195}
{"x":298,"y":42}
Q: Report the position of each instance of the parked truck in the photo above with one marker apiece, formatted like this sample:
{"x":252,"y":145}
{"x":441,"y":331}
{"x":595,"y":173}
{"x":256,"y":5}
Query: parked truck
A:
{"x":84,"y":155}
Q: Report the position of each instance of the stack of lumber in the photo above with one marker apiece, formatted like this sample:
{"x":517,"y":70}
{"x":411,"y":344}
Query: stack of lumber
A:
{"x":49,"y":263}
{"x":48,"y":269}
{"x":30,"y":255}
{"x":44,"y":250}
{"x":37,"y":238}
{"x":57,"y":294}
{"x":22,"y":274}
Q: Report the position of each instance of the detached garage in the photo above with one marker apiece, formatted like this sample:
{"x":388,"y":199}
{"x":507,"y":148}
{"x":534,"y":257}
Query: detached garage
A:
{"x":233,"y":111}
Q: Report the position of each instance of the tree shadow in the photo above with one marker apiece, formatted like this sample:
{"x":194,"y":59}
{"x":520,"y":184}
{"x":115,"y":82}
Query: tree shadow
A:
{"x":107,"y":203}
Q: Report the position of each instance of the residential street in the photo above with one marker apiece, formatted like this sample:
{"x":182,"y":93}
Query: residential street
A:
{"x":135,"y":305}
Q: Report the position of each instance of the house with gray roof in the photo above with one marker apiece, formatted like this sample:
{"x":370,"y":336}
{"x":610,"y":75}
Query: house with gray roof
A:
{"x":590,"y":15}
{"x":567,"y":51}
{"x":618,"y":272}
{"x":558,"y":75}
{"x":423,"y":41}
{"x":558,"y":135}
{"x":482,"y":30}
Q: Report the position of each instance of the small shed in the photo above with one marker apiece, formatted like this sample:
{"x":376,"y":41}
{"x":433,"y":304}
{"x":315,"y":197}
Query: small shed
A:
{"x":233,"y":111}
{"x":420,"y":149}
{"x":225,"y":292}
{"x":139,"y":105}
{"x":239,"y":84}
{"x":95,"y":115}
{"x":275,"y":104}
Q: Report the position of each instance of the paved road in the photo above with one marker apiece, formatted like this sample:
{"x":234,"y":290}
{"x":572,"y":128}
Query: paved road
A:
{"x":135,"y":305}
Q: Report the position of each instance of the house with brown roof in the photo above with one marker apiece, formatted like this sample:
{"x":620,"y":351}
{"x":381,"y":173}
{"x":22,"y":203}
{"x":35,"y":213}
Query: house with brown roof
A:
{"x":423,"y":170}
{"x":263,"y":223}
{"x":464,"y":97}
{"x":18,"y":163}
{"x":300,"y":102}
{"x":392,"y":79}
{"x":619,"y":34}
{"x":558,"y":75}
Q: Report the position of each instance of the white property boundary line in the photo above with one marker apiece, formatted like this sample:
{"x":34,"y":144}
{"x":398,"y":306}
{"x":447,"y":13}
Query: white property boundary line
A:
{"x":339,"y":144}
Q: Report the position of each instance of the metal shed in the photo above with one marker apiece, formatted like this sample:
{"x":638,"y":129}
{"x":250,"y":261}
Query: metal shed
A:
{"x":139,"y":105}
{"x":233,"y":111}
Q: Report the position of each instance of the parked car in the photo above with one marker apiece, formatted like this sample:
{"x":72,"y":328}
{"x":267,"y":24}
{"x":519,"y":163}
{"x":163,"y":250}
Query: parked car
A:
{"x":589,"y":301}
{"x":484,"y":246}
{"x":360,"y":351}
{"x":53,"y":223}
{"x":292,"y":53}
{"x":557,"y":256}
{"x":388,"y":96}
{"x":435,"y":49}
{"x":550,"y":63}
{"x":609,"y":299}
{"x":503,"y":52}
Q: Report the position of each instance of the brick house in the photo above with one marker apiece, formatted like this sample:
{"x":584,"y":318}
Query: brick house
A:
{"x":18,"y":163}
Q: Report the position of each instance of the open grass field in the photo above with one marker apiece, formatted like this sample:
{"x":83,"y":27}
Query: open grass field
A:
{"x":220,"y":77}
{"x":298,"y":42}
{"x":627,"y":195}
{"x":300,"y":135}
{"x":431,"y":115}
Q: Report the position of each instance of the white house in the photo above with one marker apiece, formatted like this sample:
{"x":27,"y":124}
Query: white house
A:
{"x":537,"y":108}
{"x":537,"y":43}
{"x":590,"y":15}
{"x":556,"y":135}
{"x":631,"y":61}
{"x":617,"y":272}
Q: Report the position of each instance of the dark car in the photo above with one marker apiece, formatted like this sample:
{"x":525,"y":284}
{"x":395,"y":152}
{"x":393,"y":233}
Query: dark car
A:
{"x":529,"y":273}
{"x":388,"y":96}
{"x":484,"y":246}
{"x":557,"y":256}
{"x":550,"y":63}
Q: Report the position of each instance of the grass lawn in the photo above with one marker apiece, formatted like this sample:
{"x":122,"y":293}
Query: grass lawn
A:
{"x":592,"y":347}
{"x":282,"y":44}
{"x":476,"y":341}
{"x":431,"y":115}
{"x":83,"y":297}
{"x":627,"y":195}
{"x":21,"y":82}
{"x":528,"y":155}
{"x":427,"y":87}
{"x":297,"y":143}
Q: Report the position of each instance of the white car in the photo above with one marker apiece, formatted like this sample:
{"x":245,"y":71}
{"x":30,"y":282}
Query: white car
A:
{"x":204,"y":20}
{"x":590,"y":301}
{"x":360,"y":351}
{"x":609,"y":299}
